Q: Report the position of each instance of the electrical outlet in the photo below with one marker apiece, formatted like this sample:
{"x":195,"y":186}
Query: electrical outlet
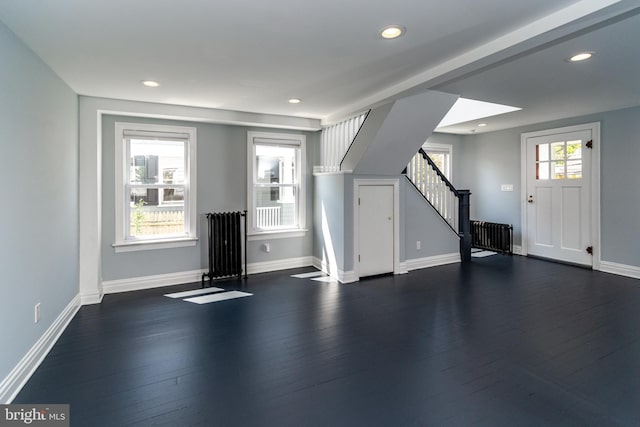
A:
{"x":267,"y":247}
{"x":418,"y":244}
{"x":506,"y":187}
{"x":36,"y":313}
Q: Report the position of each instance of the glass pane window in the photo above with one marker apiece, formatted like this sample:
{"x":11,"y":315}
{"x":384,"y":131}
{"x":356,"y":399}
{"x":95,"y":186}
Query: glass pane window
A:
{"x":542,"y":170}
{"x":276,"y":214}
{"x":275,"y":182}
{"x":147,"y":218}
{"x":542,"y":152}
{"x":153,"y":161}
{"x":574,"y":150}
{"x":574,"y":169}
{"x":557,"y":151}
{"x":153,"y":200}
{"x":275,"y":164}
{"x":559,"y":160}
{"x":440,"y":154}
{"x":557,"y":170}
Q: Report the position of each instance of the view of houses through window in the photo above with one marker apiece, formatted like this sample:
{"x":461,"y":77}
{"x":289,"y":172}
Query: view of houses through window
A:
{"x":156,"y":187}
{"x":275,"y":182}
{"x":275,"y":186}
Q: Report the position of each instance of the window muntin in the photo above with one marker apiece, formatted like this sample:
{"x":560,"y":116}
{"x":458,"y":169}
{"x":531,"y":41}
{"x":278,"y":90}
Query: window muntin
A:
{"x":155,"y":182}
{"x":276,"y":182}
{"x":559,"y":160}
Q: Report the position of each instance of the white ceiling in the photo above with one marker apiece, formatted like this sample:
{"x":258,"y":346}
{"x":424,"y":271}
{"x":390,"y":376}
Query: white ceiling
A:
{"x":547,"y":87}
{"x":251,"y":55}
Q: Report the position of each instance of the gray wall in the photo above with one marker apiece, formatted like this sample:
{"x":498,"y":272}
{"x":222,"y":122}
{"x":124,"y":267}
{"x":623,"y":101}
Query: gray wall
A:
{"x":422,"y":223}
{"x":490,"y":159}
{"x":486,"y":162}
{"x":222,"y":186}
{"x":329,"y":219}
{"x":333,"y":199}
{"x":39,"y":218}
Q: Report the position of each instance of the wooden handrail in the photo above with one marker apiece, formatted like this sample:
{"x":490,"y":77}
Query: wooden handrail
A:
{"x":439,"y":172}
{"x":462,"y":196}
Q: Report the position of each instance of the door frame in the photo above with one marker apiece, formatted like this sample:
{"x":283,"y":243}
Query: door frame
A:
{"x":595,"y":183}
{"x":396,"y":221}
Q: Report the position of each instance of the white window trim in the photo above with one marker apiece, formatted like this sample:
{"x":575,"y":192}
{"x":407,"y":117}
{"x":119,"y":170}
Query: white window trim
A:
{"x":293,"y":139}
{"x":442,"y":148}
{"x":121,"y":243}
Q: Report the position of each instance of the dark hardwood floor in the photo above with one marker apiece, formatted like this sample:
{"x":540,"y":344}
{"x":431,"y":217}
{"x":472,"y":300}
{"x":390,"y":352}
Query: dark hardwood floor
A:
{"x":502,"y":341}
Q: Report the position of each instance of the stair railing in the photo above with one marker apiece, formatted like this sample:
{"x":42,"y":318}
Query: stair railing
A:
{"x":450,"y":203}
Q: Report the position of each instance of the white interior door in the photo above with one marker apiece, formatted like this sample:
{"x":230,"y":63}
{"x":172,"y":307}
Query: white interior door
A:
{"x":376,"y":225}
{"x":558,"y":196}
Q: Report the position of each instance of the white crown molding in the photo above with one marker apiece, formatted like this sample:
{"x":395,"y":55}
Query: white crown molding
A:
{"x":20,"y":374}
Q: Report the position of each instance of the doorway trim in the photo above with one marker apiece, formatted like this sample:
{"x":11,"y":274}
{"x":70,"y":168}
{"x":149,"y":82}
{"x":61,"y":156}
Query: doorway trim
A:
{"x":595,"y":183}
{"x":396,"y":221}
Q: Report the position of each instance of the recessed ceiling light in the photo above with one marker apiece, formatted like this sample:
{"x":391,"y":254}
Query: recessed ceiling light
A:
{"x":582,"y":56}
{"x":482,"y":125}
{"x":150,"y":83}
{"x":392,"y":32}
{"x":295,"y":101}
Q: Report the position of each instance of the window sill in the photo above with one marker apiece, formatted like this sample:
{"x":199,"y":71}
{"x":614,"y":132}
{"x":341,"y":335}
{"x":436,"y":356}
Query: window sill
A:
{"x":276,"y":234}
{"x":146,"y":245}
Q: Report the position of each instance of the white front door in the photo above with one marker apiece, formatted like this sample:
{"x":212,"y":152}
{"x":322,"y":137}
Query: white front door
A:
{"x":558,"y":199}
{"x":376,"y":225}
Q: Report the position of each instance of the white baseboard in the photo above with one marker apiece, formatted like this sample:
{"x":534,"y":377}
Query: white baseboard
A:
{"x":281,"y":264}
{"x":620,"y":269}
{"x":517,"y":250}
{"x":18,"y":377}
{"x":149,"y":282}
{"x":170,"y":279}
{"x":91,"y":298}
{"x":333,"y":271}
{"x":348,"y":277}
{"x":402,"y":268}
{"x":432,"y":261}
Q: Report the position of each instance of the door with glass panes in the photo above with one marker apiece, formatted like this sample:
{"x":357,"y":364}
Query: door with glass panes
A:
{"x":558,"y":196}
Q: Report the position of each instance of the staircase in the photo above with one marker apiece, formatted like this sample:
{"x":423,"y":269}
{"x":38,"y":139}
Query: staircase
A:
{"x":378,"y":142}
{"x":450,"y":203}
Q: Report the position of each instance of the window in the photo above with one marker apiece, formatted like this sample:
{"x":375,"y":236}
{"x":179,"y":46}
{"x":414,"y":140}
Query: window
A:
{"x":276,"y":183}
{"x":155,"y":186}
{"x":441,"y":156}
{"x":559,"y":160}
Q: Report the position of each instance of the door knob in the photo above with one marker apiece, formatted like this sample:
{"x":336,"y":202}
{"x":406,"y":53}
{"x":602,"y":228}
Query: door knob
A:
{"x":530,"y":199}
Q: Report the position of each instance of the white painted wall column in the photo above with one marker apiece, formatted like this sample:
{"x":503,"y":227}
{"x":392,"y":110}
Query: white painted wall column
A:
{"x":90,"y":201}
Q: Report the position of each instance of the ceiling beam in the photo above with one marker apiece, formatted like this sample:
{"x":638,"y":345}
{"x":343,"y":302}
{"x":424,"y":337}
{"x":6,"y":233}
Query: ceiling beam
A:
{"x":572,"y":20}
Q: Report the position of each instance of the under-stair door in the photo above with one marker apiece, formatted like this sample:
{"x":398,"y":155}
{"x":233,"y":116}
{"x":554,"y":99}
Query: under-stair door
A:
{"x":376,"y":229}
